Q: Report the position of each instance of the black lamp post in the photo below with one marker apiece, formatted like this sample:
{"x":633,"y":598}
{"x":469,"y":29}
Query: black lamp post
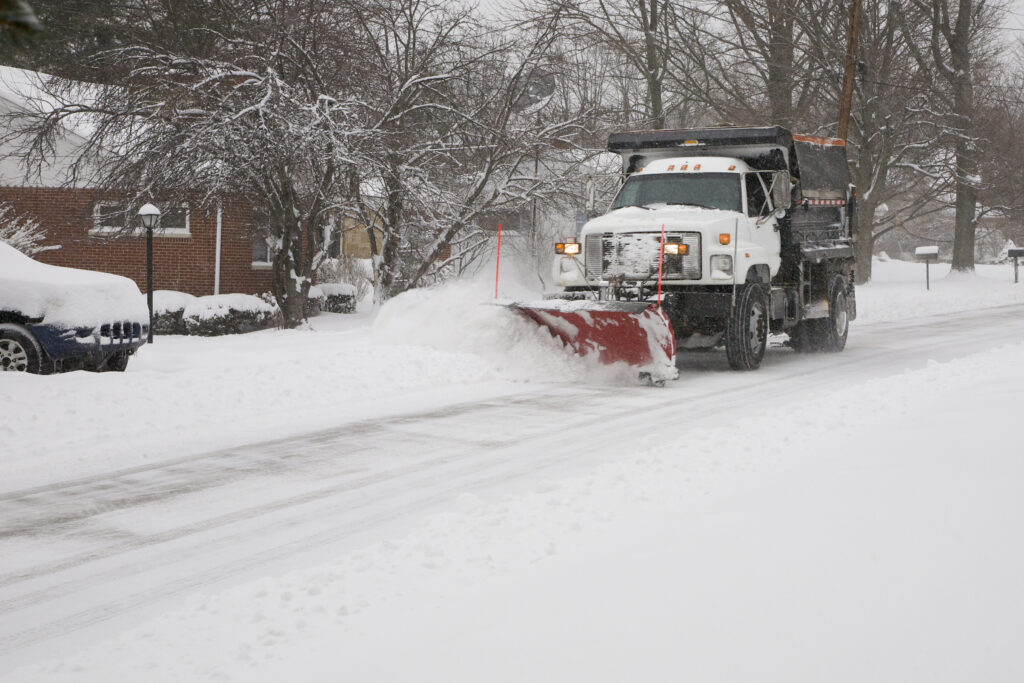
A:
{"x":150,"y":216}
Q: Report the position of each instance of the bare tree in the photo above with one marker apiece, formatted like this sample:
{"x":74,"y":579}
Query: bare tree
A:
{"x":455,"y":142}
{"x":640,"y":32}
{"x":248,"y":99}
{"x":953,"y":51}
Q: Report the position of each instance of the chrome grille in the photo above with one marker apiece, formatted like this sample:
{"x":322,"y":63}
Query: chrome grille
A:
{"x":634,"y":256}
{"x":120,"y":332}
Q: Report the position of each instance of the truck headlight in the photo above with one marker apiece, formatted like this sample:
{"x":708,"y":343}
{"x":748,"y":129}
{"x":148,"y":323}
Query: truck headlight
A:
{"x":722,"y":263}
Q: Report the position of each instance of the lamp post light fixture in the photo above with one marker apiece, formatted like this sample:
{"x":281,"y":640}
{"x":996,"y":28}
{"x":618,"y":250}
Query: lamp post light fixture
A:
{"x":150,"y":216}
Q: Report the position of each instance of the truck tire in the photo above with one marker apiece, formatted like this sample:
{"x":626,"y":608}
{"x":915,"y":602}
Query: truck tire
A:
{"x":836,"y":327}
{"x":825,"y":334}
{"x":746,"y":335}
{"x":19,"y":351}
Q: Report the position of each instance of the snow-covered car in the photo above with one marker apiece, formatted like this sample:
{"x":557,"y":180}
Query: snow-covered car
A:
{"x":54,"y":318}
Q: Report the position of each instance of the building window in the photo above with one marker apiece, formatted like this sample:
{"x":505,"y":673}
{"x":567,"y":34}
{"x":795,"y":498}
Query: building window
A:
{"x":108,"y":218}
{"x":115,"y":218}
{"x":174,"y":221}
{"x":262,"y":253}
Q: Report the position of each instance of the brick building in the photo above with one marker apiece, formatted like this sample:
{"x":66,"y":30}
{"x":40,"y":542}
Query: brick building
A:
{"x":199,"y":250}
{"x":185,"y":255}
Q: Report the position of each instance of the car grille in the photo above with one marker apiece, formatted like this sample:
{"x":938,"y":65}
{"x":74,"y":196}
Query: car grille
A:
{"x":121,"y":332}
{"x":634,"y":256}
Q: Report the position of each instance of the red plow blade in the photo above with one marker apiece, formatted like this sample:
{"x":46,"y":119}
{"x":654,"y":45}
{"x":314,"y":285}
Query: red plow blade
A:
{"x":632,"y":332}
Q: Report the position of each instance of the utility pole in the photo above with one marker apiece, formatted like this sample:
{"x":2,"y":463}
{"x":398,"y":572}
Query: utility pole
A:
{"x":849,"y":69}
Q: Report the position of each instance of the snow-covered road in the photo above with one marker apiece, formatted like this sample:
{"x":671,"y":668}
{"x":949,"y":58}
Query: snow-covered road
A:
{"x":87,"y":557}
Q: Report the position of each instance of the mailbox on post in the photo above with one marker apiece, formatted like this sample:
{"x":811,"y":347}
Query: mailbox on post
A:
{"x":1015,"y":254}
{"x":929,"y":255}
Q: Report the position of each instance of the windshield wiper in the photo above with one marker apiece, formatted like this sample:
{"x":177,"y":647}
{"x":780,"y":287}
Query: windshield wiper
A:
{"x":631,"y":206}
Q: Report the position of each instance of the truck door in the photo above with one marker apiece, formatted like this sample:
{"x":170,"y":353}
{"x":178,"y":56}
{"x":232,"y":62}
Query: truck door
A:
{"x":764,"y":237}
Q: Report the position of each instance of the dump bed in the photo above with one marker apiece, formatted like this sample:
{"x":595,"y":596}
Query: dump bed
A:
{"x":818,"y":164}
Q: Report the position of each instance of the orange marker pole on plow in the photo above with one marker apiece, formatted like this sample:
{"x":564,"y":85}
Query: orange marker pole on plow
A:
{"x":661,"y":260}
{"x":497,"y":266}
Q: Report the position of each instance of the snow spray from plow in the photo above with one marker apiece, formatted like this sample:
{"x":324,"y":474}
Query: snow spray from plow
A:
{"x":637,"y":333}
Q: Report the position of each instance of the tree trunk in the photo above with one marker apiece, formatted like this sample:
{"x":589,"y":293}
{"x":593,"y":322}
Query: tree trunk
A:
{"x":966,"y":152}
{"x":864,"y":240}
{"x":388,"y":276}
{"x":780,"y":84}
{"x":654,"y":68}
{"x":289,"y":285}
{"x":288,"y":292}
{"x":966,"y":174}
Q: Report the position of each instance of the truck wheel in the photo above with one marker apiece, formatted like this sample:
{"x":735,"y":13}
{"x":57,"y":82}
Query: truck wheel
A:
{"x":19,"y":351}
{"x":825,"y":334}
{"x":746,"y":335}
{"x":836,"y":327}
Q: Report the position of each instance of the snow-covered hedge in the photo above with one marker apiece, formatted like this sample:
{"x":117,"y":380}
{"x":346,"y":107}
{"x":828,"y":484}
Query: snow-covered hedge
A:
{"x":210,"y":316}
{"x":346,"y":271}
{"x":168,"y":309}
{"x":314,"y":301}
{"x":339,"y":297}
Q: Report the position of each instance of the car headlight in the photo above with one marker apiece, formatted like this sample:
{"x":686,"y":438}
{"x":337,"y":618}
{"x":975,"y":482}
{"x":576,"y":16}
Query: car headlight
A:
{"x":722,"y":263}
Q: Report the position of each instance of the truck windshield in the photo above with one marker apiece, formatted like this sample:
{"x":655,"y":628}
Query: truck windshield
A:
{"x":708,"y":190}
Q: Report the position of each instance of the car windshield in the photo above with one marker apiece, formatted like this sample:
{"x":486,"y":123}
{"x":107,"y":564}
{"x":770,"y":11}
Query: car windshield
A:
{"x":707,"y":190}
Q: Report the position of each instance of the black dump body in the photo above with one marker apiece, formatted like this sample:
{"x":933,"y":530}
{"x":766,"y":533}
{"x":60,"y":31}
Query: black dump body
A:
{"x":819,"y":164}
{"x":821,"y":187}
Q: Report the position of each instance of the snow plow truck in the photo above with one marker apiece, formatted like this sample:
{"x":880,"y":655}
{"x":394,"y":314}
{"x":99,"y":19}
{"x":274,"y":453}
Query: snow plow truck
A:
{"x":716,"y":237}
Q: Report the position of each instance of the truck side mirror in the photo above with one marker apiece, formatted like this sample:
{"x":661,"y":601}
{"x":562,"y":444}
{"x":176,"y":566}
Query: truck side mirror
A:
{"x":782,"y":191}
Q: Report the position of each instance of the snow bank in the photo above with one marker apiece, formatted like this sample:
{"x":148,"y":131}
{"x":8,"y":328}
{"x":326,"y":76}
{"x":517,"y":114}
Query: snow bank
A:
{"x":66,"y":296}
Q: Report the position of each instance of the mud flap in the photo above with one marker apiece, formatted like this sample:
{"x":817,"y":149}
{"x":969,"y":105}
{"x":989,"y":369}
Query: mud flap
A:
{"x":636,"y":333}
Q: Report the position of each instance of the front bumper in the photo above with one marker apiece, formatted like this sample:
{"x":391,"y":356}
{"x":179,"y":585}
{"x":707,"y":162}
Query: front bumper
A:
{"x":93,"y":346}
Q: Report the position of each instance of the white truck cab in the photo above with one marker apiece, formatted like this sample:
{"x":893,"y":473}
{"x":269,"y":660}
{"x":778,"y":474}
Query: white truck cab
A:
{"x":734,"y":231}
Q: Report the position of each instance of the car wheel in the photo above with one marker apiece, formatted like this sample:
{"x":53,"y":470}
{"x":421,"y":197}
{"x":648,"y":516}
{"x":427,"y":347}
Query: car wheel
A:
{"x":19,"y":351}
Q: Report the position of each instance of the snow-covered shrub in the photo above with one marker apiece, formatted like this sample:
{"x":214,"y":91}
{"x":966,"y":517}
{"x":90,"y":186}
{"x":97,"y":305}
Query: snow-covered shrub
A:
{"x":315,"y":301}
{"x":168,"y":309}
{"x":210,"y":316}
{"x":24,"y":234}
{"x":339,"y":297}
{"x":357,"y":272}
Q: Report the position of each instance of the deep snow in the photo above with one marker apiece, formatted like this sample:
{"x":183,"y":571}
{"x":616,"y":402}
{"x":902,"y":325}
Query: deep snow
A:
{"x":872,"y":541}
{"x":427,"y":346}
